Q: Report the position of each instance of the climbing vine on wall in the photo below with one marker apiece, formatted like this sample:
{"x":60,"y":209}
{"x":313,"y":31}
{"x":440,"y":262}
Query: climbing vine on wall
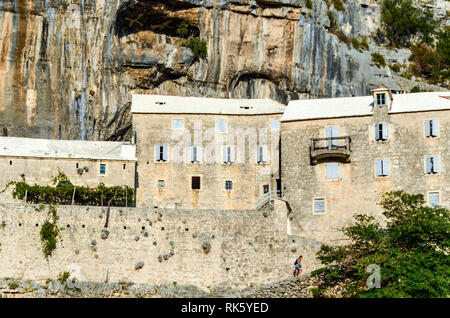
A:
{"x":49,"y":231}
{"x":64,"y":192}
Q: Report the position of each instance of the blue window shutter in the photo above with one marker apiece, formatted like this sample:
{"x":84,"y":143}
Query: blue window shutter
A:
{"x":265,"y":154}
{"x":433,"y":199}
{"x":385,"y":131}
{"x":427,"y":128}
{"x":199,"y":154}
{"x":224,"y":153}
{"x":157,"y":152}
{"x":434,"y":128}
{"x":436,"y":164}
{"x":165,"y":153}
{"x":377,"y":131}
{"x":385,"y":167}
{"x":335,"y":132}
{"x":332,"y":170}
{"x":379,"y":171}
{"x":428,"y":164}
{"x":191,"y":154}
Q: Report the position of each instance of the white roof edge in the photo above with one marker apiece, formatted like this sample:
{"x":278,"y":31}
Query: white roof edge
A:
{"x":66,"y":149}
{"x":165,"y":104}
{"x":326,"y":108}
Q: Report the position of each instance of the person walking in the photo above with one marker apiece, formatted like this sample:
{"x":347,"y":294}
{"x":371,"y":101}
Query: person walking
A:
{"x":298,"y":266}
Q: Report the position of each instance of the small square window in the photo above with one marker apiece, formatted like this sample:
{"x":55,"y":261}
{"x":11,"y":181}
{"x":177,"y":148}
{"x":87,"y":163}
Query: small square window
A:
{"x":319,"y":205}
{"x":275,"y":124}
{"x":195,"y":184}
{"x":381,"y":99}
{"x":332,"y":170}
{"x":433,"y":199}
{"x":229,"y":185}
{"x":221,"y":125}
{"x":161,"y":184}
{"x":266,"y":188}
{"x":178,"y":124}
{"x":102,"y":168}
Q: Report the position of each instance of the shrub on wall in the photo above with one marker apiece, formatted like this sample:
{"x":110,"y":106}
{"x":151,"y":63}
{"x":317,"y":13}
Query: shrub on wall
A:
{"x":62,"y":192}
{"x":190,"y":40}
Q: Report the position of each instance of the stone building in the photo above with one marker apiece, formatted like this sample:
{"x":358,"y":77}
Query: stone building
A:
{"x":84,"y":162}
{"x":340,"y":154}
{"x":206,"y":153}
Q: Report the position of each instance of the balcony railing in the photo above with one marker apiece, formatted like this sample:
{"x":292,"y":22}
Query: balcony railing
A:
{"x":330,"y":148}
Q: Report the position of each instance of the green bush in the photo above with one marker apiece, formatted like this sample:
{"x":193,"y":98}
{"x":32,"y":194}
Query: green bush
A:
{"x":410,"y":248}
{"x":338,"y":5}
{"x":395,"y":67}
{"x":309,"y":4}
{"x":49,"y":237}
{"x":402,"y":21}
{"x":378,"y":59}
{"x":62,"y":192}
{"x":415,"y":89}
{"x":198,"y":46}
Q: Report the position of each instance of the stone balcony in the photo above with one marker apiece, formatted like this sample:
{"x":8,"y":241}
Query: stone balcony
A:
{"x":338,"y":148}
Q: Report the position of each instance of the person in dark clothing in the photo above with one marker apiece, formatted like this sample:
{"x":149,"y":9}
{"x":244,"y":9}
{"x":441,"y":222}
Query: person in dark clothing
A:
{"x":298,"y":266}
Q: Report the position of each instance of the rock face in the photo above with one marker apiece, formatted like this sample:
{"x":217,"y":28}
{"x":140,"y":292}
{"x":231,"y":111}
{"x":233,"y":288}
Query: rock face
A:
{"x":68,"y":67}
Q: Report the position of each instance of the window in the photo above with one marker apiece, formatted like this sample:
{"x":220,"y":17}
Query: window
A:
{"x":161,"y":153}
{"x":77,"y":165}
{"x":262,"y":154}
{"x":266,"y":188}
{"x":275,"y":124}
{"x":381,"y":99}
{"x":195,"y":183}
{"x":433,"y":199}
{"x":221,"y":125}
{"x":381,"y":132}
{"x":319,"y":205}
{"x":161,"y":184}
{"x":124,"y":166}
{"x":330,"y":132}
{"x":228,"y":154}
{"x":332,"y":170}
{"x":102,"y":168}
{"x":178,"y":124}
{"x":432,"y":165}
{"x":10,"y":162}
{"x":431,"y":128}
{"x":195,"y":154}
{"x":229,"y":185}
{"x":382,"y":167}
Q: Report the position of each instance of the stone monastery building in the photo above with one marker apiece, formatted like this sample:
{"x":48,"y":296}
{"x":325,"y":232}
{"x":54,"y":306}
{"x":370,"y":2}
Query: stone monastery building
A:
{"x":328,"y":158}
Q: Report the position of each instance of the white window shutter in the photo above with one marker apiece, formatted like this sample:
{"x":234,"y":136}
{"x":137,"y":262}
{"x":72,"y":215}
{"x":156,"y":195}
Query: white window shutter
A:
{"x":434,"y":128}
{"x":157,"y":152}
{"x":335,"y":133}
{"x":199,"y":154}
{"x":165,"y":153}
{"x":385,"y":167}
{"x":377,"y":131}
{"x":378,"y":165}
{"x":428,"y":164}
{"x":265,"y":154}
{"x":427,"y":128}
{"x":232,"y":154}
{"x":385,"y":131}
{"x":191,"y":154}
{"x":436,"y":164}
{"x":332,"y":170}
{"x":224,"y":153}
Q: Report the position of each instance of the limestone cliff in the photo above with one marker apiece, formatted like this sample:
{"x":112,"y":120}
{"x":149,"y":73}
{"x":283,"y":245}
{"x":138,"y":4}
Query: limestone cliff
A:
{"x":69,"y":67}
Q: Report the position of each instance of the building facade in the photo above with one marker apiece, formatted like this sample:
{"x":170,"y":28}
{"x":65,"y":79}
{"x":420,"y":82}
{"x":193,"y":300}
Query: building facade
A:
{"x":339,"y":155}
{"x":84,"y":162}
{"x":205,"y":153}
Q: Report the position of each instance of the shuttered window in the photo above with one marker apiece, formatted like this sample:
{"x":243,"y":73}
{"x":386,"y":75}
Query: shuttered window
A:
{"x":381,"y":131}
{"x":275,"y":124}
{"x":161,"y":184}
{"x":228,"y":154}
{"x":433,"y":199}
{"x":331,"y":132}
{"x":262,"y":154}
{"x":332,"y":170}
{"x":319,"y":205}
{"x":195,"y":154}
{"x":102,"y":168}
{"x":381,"y":99}
{"x":431,"y":128}
{"x":178,"y":124}
{"x":432,"y":165}
{"x":195,"y":183}
{"x":228,"y":185}
{"x":221,"y":125}
{"x":161,"y":153}
{"x":382,"y":167}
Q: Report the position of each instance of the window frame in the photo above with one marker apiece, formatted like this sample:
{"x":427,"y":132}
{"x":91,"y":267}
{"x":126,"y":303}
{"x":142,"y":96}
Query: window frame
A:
{"x":433,"y":165}
{"x":199,"y":182}
{"x":324,"y":205}
{"x":439,"y":198}
{"x":182,"y":124}
{"x":100,"y":169}
{"x":430,"y":125}
{"x":382,"y":168}
{"x":161,"y":153}
{"x":228,"y":182}
{"x":225,"y":126}
{"x":383,"y":95}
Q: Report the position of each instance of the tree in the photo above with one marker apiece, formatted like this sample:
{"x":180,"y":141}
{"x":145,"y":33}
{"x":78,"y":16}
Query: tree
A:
{"x":411,"y":250}
{"x":402,"y":22}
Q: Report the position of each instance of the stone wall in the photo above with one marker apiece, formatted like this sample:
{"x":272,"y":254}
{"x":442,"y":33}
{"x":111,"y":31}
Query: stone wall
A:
{"x":358,"y":190}
{"x":41,"y":171}
{"x":205,"y":248}
{"x":245,"y":133}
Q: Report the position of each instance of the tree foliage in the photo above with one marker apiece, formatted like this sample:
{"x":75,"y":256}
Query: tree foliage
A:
{"x":190,"y":40}
{"x":403,"y":22}
{"x":411,"y":250}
